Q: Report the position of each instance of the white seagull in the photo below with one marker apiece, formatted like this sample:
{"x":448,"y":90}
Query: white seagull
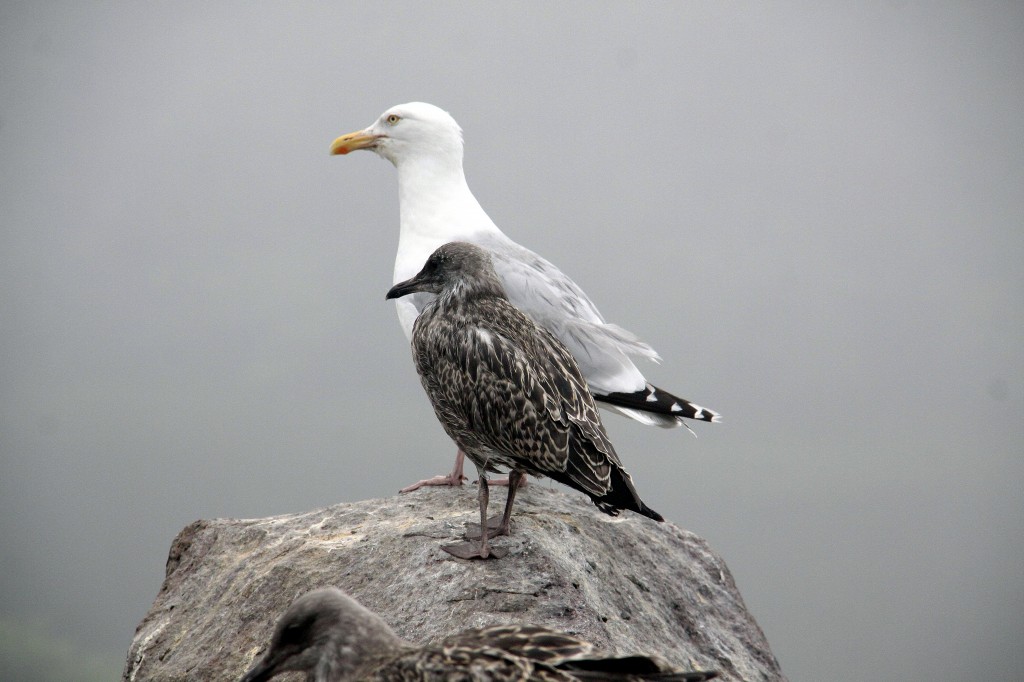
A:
{"x":436,"y":207}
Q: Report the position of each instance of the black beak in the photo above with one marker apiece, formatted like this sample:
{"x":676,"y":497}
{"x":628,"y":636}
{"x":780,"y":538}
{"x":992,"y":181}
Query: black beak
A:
{"x":409,"y":286}
{"x":259,"y":673}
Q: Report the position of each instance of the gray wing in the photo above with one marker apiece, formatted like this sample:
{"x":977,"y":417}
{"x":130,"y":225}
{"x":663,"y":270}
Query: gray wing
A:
{"x":558,"y":304}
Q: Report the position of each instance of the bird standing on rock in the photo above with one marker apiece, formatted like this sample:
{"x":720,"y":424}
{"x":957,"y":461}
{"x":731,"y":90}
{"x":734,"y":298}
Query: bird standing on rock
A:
{"x":332,"y":638}
{"x":436,"y":206}
{"x":507,"y":391}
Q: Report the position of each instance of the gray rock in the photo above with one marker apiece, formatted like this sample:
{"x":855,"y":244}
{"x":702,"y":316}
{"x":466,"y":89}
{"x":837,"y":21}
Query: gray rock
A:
{"x":628,"y":584}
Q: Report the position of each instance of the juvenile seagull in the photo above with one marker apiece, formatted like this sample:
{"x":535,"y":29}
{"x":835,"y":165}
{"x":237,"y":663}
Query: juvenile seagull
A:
{"x":507,"y":391}
{"x":435,"y":205}
{"x":332,"y":638}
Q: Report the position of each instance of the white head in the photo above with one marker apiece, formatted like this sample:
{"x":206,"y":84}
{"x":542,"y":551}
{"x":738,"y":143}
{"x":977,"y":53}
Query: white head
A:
{"x":408,"y":131}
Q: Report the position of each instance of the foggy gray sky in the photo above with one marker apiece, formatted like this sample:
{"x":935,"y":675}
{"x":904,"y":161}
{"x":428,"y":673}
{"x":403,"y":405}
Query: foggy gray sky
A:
{"x":814,"y":212}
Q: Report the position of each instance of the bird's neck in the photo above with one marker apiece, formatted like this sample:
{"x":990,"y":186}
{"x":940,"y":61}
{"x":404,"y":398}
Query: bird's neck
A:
{"x":435,"y":207}
{"x":346,"y":659}
{"x":470,"y":291}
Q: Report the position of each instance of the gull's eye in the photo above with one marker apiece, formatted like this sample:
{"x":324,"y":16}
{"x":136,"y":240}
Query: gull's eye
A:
{"x":392,"y":119}
{"x":297,"y":631}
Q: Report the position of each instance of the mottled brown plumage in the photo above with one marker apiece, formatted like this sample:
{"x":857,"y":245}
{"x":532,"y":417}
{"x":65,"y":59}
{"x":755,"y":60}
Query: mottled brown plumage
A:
{"x":506,"y":390}
{"x":332,"y":638}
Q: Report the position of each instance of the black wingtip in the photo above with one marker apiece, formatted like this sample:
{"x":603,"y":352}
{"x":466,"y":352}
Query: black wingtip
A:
{"x":633,"y":668}
{"x":658,"y":401}
{"x":622,"y":495}
{"x":650,"y":513}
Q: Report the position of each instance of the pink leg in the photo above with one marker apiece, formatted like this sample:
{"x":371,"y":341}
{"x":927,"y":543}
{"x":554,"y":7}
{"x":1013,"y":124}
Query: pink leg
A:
{"x":452,"y":479}
{"x":504,"y":481}
{"x":480,"y":549}
{"x":500,"y":525}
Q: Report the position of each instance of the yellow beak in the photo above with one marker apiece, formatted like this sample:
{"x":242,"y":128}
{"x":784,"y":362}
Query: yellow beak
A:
{"x":353,"y":141}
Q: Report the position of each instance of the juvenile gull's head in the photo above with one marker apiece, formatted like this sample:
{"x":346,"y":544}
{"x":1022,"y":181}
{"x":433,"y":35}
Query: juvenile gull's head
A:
{"x":325,"y":633}
{"x":454,"y":267}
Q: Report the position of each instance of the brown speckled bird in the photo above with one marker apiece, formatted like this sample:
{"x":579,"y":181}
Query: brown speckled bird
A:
{"x":333,"y":638}
{"x":507,"y":391}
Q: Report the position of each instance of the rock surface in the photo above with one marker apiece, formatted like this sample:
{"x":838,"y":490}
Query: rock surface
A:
{"x":628,"y":584}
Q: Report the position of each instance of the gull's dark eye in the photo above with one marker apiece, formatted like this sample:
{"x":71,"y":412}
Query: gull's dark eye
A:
{"x":392,"y":119}
{"x":296,"y":631}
